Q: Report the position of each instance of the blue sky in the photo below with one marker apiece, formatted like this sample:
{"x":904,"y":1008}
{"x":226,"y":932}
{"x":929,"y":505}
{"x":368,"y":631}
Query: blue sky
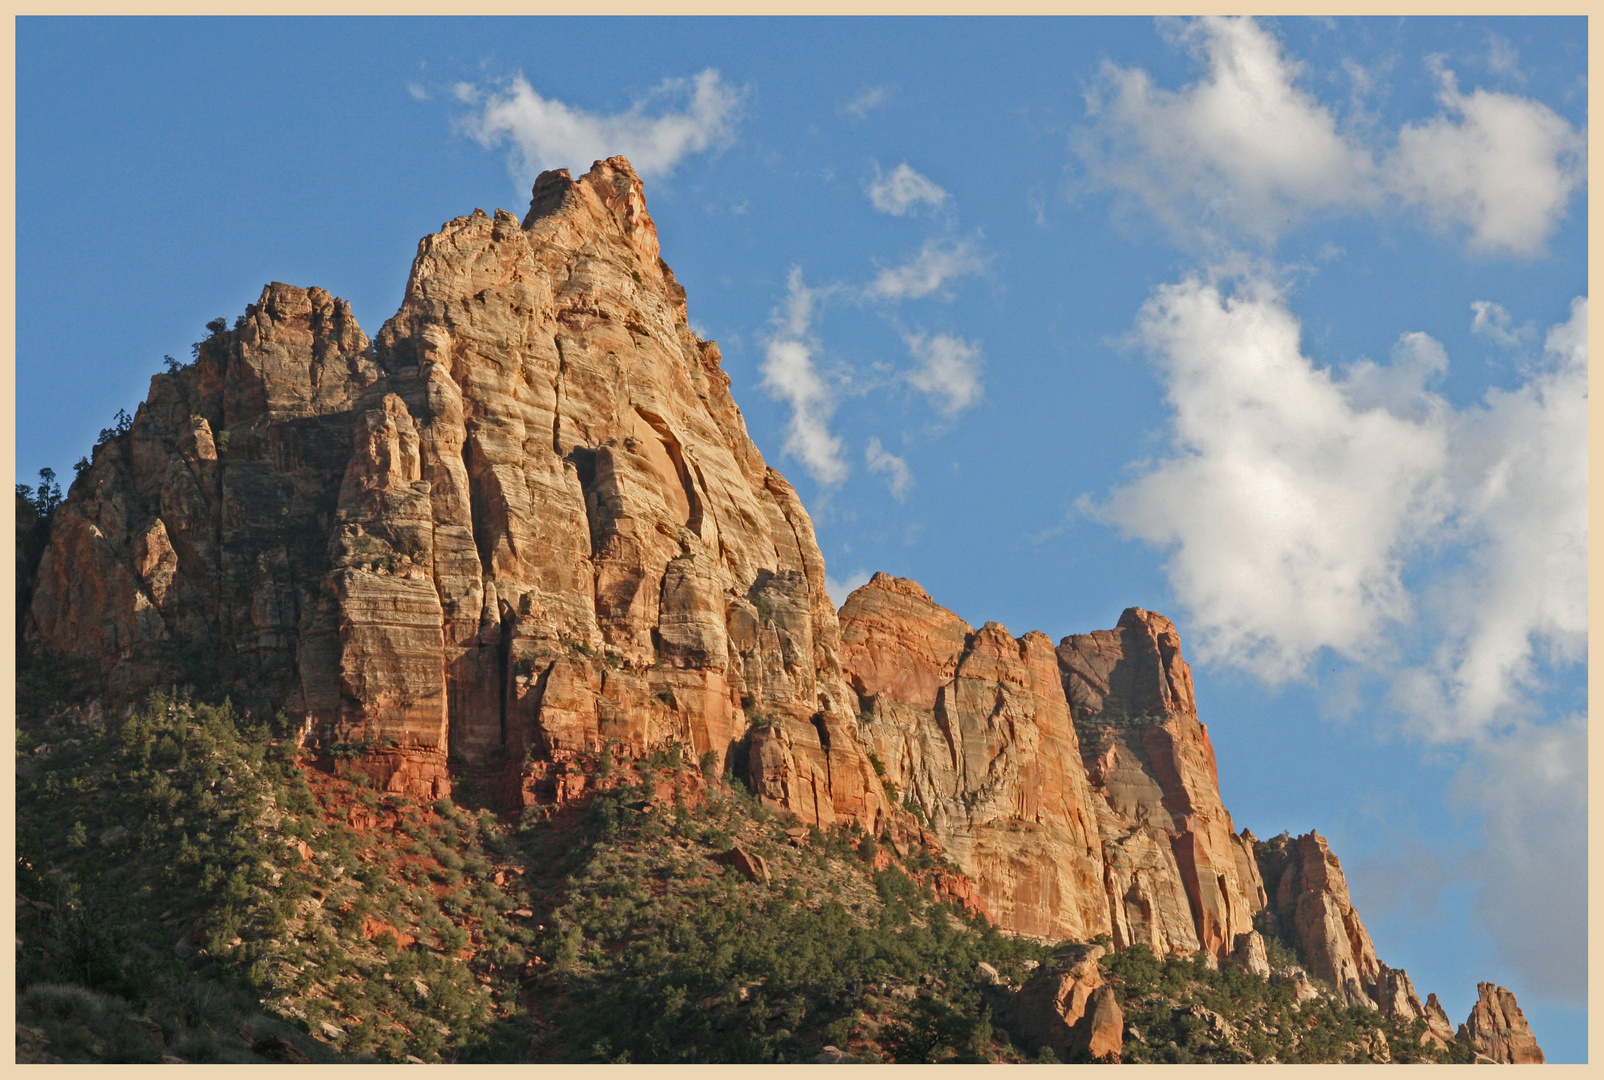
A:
{"x":1276,"y":327}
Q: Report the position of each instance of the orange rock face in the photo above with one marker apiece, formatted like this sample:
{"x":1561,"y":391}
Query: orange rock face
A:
{"x":1311,"y":906}
{"x":972,"y":729}
{"x":527,"y":518}
{"x":1497,"y":1028}
{"x":525,"y":527}
{"x":1177,"y":877}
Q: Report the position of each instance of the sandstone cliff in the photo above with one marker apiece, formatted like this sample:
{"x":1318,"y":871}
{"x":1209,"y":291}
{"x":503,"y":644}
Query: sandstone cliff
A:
{"x":526,"y":523}
{"x":1497,"y":1029}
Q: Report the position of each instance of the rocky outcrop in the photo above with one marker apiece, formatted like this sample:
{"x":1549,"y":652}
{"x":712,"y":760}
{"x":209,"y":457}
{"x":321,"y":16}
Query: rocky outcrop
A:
{"x":526,"y":520}
{"x":1438,"y":1029}
{"x":1497,"y":1029}
{"x":1176,"y":876}
{"x":1067,"y":1005}
{"x":1310,"y":909}
{"x":972,"y":729}
{"x":1049,"y":1008}
{"x":1250,"y":954}
{"x":524,"y":528}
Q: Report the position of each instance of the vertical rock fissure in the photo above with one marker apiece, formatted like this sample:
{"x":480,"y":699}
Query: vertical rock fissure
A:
{"x":504,"y":668}
{"x":479,"y":510}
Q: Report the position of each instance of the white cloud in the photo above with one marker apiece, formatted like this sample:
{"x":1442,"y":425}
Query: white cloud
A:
{"x":1493,"y":322}
{"x":417,"y":91}
{"x":549,"y":134}
{"x":948,"y":371}
{"x":1443,"y":550}
{"x":937,"y":263}
{"x":866,"y":102}
{"x":1291,"y":493}
{"x":1243,"y":147}
{"x":789,"y":375}
{"x":1294,"y":497}
{"x":899,"y":476}
{"x":1518,"y":470}
{"x":840,"y":590}
{"x":1245,"y":153}
{"x":903,"y":191}
{"x":1505,"y":166}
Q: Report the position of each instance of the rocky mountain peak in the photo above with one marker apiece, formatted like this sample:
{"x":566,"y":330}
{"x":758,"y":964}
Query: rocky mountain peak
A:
{"x":524,"y":530}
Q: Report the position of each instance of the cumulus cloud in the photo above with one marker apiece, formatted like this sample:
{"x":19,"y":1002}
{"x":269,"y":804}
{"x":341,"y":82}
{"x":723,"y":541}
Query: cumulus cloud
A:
{"x":948,"y":371}
{"x":1444,"y":550}
{"x":1242,"y":148}
{"x":903,"y":191}
{"x":937,"y":263}
{"x":545,"y":133}
{"x":1504,"y":166}
{"x":1292,"y":494}
{"x":790,"y":375}
{"x":1245,"y":153}
{"x":1294,"y":497}
{"x":898,"y":476}
{"x":1518,"y":472}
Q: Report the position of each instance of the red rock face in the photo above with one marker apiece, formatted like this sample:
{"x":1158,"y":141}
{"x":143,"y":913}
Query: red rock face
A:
{"x":1497,"y":1028}
{"x":527,"y":518}
{"x":1177,"y":878}
{"x":1311,"y":907}
{"x":526,"y":526}
{"x":972,"y":728}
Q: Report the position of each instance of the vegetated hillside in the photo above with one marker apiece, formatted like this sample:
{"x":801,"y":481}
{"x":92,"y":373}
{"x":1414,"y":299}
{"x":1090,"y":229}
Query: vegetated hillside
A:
{"x":193,"y":886}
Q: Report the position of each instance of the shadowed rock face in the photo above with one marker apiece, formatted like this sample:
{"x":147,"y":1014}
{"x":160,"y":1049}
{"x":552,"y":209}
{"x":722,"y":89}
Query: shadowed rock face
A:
{"x":1177,"y":877}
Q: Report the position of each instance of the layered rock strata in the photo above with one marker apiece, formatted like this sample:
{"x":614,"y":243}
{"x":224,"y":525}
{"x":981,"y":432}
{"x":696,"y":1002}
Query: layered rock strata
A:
{"x":526,"y":521}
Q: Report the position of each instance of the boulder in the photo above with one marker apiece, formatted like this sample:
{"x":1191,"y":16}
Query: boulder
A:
{"x":1103,"y":1030}
{"x":1250,"y":955}
{"x":748,"y":864}
{"x":1048,"y":1009}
